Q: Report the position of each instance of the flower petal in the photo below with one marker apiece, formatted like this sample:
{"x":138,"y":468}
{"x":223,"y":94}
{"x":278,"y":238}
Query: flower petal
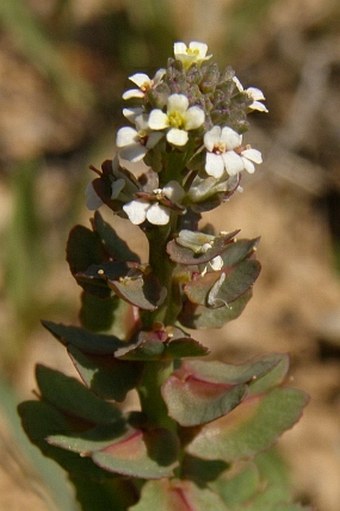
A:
{"x":216,"y":263}
{"x":158,"y":120}
{"x":230,"y":138}
{"x":260,"y":107}
{"x":173,"y":191}
{"x":140,"y":79}
{"x":253,"y":155}
{"x":233,"y":162}
{"x":177,"y":137}
{"x":180,"y":48}
{"x":255,"y":93}
{"x":153,"y":139}
{"x":158,"y":214}
{"x":133,"y":152}
{"x":132,"y":113}
{"x":133,"y":93}
{"x":201,"y":47}
{"x":214,"y":165}
{"x":158,"y":76}
{"x":238,"y":84}
{"x":194,"y":118}
{"x":177,"y":103}
{"x":212,"y":137}
{"x":248,"y":166}
{"x":126,"y":136}
{"x":136,"y":211}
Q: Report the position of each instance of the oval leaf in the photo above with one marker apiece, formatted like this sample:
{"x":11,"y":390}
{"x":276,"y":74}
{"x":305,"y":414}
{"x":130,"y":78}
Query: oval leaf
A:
{"x":73,"y":398}
{"x":199,"y":316}
{"x":252,"y":427}
{"x":146,"y":455}
{"x":177,"y":496}
{"x":192,"y":401}
{"x":86,"y":341}
{"x":107,"y":377}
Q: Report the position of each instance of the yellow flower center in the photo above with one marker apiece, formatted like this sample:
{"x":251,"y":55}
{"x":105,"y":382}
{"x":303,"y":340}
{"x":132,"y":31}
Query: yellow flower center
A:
{"x":193,"y":51}
{"x":146,"y":86}
{"x":219,"y":148}
{"x":143,"y":137}
{"x":176,"y":120}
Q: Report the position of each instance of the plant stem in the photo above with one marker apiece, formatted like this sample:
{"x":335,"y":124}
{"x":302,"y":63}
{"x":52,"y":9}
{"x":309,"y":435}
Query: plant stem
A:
{"x":152,"y":403}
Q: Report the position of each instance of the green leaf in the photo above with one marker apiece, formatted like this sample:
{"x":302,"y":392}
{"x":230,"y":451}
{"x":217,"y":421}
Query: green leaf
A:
{"x":143,"y":291}
{"x":84,"y":248}
{"x":271,"y":378}
{"x":88,"y":342}
{"x":238,"y":485}
{"x":206,"y":317}
{"x":252,"y":427}
{"x":270,"y":369}
{"x":115,"y":246}
{"x":177,"y":496}
{"x":143,"y":454}
{"x":70,"y":396}
{"x":198,"y":289}
{"x":201,"y":391}
{"x":114,"y":494}
{"x":108,"y":378}
{"x":89,"y":441}
{"x":236,"y":283}
{"x":202,"y":471}
{"x":40,"y":420}
{"x":192,"y":401}
{"x":239,"y":250}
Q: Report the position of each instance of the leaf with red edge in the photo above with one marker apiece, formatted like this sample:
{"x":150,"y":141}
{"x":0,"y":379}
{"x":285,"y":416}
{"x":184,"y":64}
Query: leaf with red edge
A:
{"x":192,"y":401}
{"x":177,"y":495}
{"x":201,"y":391}
{"x":143,"y":454}
{"x":251,"y":427}
{"x":125,"y":450}
{"x":260,"y":373}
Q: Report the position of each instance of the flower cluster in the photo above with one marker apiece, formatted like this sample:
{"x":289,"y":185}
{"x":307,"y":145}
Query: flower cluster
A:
{"x":186,"y":124}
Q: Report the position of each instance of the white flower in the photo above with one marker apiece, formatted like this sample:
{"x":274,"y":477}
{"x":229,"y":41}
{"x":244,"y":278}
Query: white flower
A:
{"x":196,"y":53}
{"x":179,"y":119}
{"x":153,"y":210}
{"x":135,"y":143}
{"x":225,"y":153}
{"x":213,"y":301}
{"x":255,"y":94}
{"x":144,"y":83}
{"x":200,"y":243}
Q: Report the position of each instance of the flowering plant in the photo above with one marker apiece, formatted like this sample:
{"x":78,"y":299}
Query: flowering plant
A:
{"x":195,"y":440}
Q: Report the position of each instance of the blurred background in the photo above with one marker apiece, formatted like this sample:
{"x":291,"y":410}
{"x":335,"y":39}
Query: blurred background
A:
{"x":63,"y":67}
